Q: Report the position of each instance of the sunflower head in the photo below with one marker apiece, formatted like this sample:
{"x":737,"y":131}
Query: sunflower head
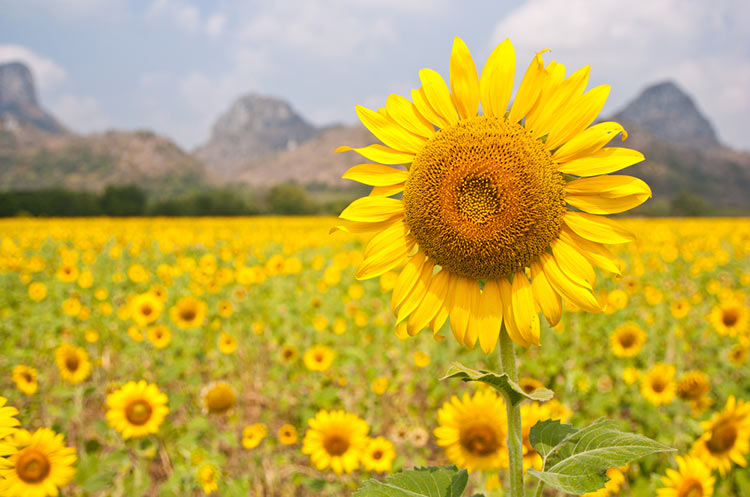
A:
{"x":379,"y":455}
{"x":726,"y":437}
{"x":336,"y":440}
{"x":136,"y":409}
{"x":627,"y":340}
{"x":73,"y":363}
{"x":318,"y":358}
{"x":693,"y":385}
{"x":657,"y":385}
{"x":25,"y":379}
{"x":483,"y":227}
{"x":692,"y":479}
{"x":219,"y":398}
{"x":188,"y":312}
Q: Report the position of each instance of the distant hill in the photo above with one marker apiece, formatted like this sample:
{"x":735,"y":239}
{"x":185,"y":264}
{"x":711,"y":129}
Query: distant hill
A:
{"x":18,"y":102}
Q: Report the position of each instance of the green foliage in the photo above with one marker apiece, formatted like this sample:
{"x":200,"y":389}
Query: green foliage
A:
{"x":289,"y":199}
{"x":123,"y":201}
{"x":576,"y":461}
{"x":689,"y":204}
{"x":499,"y":382}
{"x":445,"y":481}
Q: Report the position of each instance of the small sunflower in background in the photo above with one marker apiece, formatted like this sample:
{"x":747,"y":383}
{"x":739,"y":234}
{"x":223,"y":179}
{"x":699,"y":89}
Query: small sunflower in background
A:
{"x":219,"y":398}
{"x":253,"y":435}
{"x":657,"y":385}
{"x":738,"y":355}
{"x":318,"y":358}
{"x":692,"y":479}
{"x":693,"y":386}
{"x":288,"y":434}
{"x":529,"y":384}
{"x":421,"y":359}
{"x":227,"y":343}
{"x":289,"y":353}
{"x":680,"y":308}
{"x":472,"y":432}
{"x":726,"y":438}
{"x":627,"y":340}
{"x":189,"y":312}
{"x":25,"y":379}
{"x":145,"y":308}
{"x":159,"y":335}
{"x":336,"y":440}
{"x":486,"y":197}
{"x":73,"y":363}
{"x":42,"y":465}
{"x":208,"y":476}
{"x":730,"y":317}
{"x":379,"y":455}
{"x":37,"y":291}
{"x":136,"y":409}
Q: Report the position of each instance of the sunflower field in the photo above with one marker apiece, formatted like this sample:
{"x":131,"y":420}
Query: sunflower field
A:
{"x":242,"y":356}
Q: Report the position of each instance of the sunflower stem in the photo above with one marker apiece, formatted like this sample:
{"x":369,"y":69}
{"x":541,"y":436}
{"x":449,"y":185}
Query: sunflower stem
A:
{"x":515,"y":433}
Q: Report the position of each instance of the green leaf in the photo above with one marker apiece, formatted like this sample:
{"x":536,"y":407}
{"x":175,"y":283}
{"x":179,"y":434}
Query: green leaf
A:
{"x":546,"y":435}
{"x":499,"y":382}
{"x":445,"y":481}
{"x":580,"y":460}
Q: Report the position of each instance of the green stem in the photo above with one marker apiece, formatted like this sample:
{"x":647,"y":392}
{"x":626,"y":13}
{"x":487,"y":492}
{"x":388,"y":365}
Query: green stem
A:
{"x":515,"y":434}
{"x":539,"y":488}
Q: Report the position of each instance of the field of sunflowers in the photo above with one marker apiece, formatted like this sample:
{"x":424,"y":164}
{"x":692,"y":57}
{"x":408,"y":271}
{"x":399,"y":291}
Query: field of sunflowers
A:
{"x":181,"y":357}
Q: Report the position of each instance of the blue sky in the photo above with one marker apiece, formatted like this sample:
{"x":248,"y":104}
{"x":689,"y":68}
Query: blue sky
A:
{"x":175,"y":65}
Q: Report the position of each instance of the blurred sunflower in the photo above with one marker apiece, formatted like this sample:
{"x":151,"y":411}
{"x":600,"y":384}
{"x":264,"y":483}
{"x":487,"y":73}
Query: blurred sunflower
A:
{"x":73,"y":363}
{"x":627,"y":340}
{"x":227,"y":343}
{"x":379,"y":455}
{"x":160,"y":335}
{"x":726,"y":437}
{"x":657,"y":385}
{"x":729,"y":317}
{"x":288,"y":434}
{"x":289,"y":353}
{"x":485,"y":197}
{"x":612,"y":486}
{"x":25,"y":379}
{"x":8,"y":426}
{"x":738,"y":354}
{"x":253,"y":435}
{"x":692,"y":479}
{"x":188,"y":312}
{"x":693,"y":385}
{"x":37,"y":291}
{"x":336,"y":440}
{"x":318,"y":358}
{"x":42,"y":465}
{"x":529,"y":384}
{"x":219,"y":398}
{"x":145,"y":308}
{"x":472,"y":431}
{"x":136,"y":409}
{"x":207,"y":476}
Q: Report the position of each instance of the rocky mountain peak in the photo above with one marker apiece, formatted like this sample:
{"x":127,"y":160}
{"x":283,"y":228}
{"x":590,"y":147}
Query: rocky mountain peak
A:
{"x":668,"y":113}
{"x":18,"y":102}
{"x":254,"y":126}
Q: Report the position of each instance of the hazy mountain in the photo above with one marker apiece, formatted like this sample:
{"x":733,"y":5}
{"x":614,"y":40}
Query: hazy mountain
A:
{"x":18,"y":102}
{"x":255,"y":126}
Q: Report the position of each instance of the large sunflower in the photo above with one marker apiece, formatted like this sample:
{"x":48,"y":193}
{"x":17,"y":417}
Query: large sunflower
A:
{"x":486,"y":196}
{"x":726,"y":437}
{"x":336,"y":440}
{"x":137,"y":409}
{"x":42,"y":465}
{"x":693,"y":479}
{"x":472,"y":431}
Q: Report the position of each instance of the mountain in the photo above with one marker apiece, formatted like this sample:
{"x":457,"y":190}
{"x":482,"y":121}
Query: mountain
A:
{"x":255,"y":126}
{"x":18,"y":102}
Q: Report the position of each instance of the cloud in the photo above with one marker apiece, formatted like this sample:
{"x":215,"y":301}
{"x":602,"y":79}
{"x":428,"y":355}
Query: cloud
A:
{"x":47,"y":74}
{"x":215,"y":24}
{"x":186,"y":17}
{"x":83,"y":114}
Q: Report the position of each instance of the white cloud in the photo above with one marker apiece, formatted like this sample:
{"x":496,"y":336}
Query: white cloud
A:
{"x":83,"y":114}
{"x":47,"y":74}
{"x":215,"y":24}
{"x":186,"y":17}
{"x":701,"y":45}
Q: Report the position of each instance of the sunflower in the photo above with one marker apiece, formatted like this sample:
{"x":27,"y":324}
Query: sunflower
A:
{"x":693,"y":479}
{"x":219,"y":398}
{"x":693,"y":385}
{"x":729,"y":317}
{"x":145,"y":308}
{"x":738,"y":355}
{"x":25,"y":379}
{"x":159,"y":335}
{"x":657,"y":385}
{"x":288,"y":434}
{"x":680,"y":308}
{"x":289,"y":353}
{"x":318,"y":358}
{"x":207,"y":476}
{"x":37,"y":291}
{"x":136,"y":409}
{"x":8,"y":426}
{"x":336,"y":440}
{"x":42,"y":465}
{"x":253,"y":435}
{"x":227,"y":343}
{"x":472,"y":431}
{"x":421,"y":359}
{"x":627,"y":340}
{"x":188,"y":312}
{"x":379,"y":455}
{"x":485,"y":197}
{"x":73,"y":363}
{"x":726,"y":437}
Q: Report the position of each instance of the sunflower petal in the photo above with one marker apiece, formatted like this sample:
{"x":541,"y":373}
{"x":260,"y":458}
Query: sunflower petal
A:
{"x":419,"y":98}
{"x":464,"y":80}
{"x":380,"y":153}
{"x":431,"y":303}
{"x":605,"y":161}
{"x":597,"y":228}
{"x":588,"y":141}
{"x":531,"y":86}
{"x":373,"y":210}
{"x":576,"y":116}
{"x":417,"y":293}
{"x":438,"y":95}
{"x":442,"y":315}
{"x":596,"y":253}
{"x":390,"y":133}
{"x":523,"y":309}
{"x":473,"y":328}
{"x":461,"y":307}
{"x":548,"y":299}
{"x":405,"y":113}
{"x":506,"y":297}
{"x":607,"y":194}
{"x":386,"y":191}
{"x":496,"y":83}
{"x":387,"y":258}
{"x":491,"y":316}
{"x":358,"y":227}
{"x":407,"y":279}
{"x":574,"y":265}
{"x":549,"y":107}
{"x":567,"y":288}
{"x":376,"y":175}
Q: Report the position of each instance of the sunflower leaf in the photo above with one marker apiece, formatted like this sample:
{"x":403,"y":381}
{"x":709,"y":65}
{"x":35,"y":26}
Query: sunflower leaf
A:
{"x":444,"y":481}
{"x":546,"y":435}
{"x":500,"y":382}
{"x":578,"y":463}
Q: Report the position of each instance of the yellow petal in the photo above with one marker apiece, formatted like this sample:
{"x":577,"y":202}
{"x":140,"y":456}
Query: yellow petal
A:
{"x":417,"y":293}
{"x":357,"y":227}
{"x":524,"y":310}
{"x":380,"y":153}
{"x":407,"y":279}
{"x":491,"y":316}
{"x":405,"y":113}
{"x":400,"y":331}
{"x":597,"y":228}
{"x":385,"y":239}
{"x":506,"y":297}
{"x":549,"y":107}
{"x":473,"y":327}
{"x":496,"y":84}
{"x":590,"y":140}
{"x":596,"y":253}
{"x":426,"y":110}
{"x":442,"y":315}
{"x":390,"y":133}
{"x":461,"y":307}
{"x":607,"y":194}
{"x":464,"y":80}
{"x":547,"y":298}
{"x":549,"y":87}
{"x":574,"y":265}
{"x":531,"y":86}
{"x":438,"y":95}
{"x":386,"y":191}
{"x":606,"y":160}
{"x":576,"y":116}
{"x":431,"y":303}
{"x":376,"y":175}
{"x":570,"y":290}
{"x":373,"y":210}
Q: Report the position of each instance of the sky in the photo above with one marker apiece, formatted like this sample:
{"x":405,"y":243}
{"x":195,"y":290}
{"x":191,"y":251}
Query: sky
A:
{"x":174,"y":66}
